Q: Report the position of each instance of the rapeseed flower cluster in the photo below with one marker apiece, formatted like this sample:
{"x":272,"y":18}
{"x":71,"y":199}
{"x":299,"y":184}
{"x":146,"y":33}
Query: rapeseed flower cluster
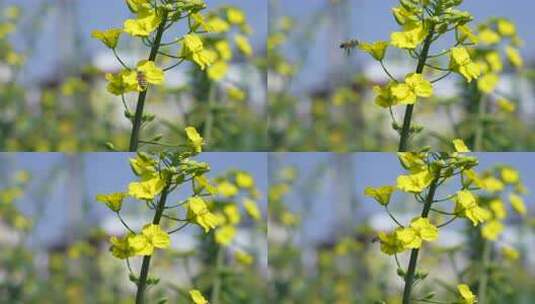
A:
{"x":426,"y":172}
{"x":473,"y":55}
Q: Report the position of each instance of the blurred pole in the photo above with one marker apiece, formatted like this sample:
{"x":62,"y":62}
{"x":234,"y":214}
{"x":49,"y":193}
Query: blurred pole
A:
{"x":338,"y":26}
{"x":75,"y":196}
{"x":67,"y":28}
{"x":344,"y":202}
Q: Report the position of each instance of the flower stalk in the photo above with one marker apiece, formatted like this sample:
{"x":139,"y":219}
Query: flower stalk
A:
{"x":142,"y":283}
{"x":406,"y":128}
{"x":411,"y":271}
{"x":138,"y":117}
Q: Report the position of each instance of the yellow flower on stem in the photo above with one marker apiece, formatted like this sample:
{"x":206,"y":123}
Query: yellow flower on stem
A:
{"x":148,"y":73}
{"x":461,"y":63}
{"x":506,"y":28}
{"x":410,"y":38}
{"x":227,"y":189}
{"x":244,"y":180}
{"x":121,"y":83}
{"x":414,"y":183}
{"x":518,"y":204}
{"x":224,"y":235}
{"x":114,"y":201}
{"x":243,"y":45}
{"x":380,"y":194}
{"x":147,"y":189}
{"x":460,"y":146}
{"x":384,"y":97}
{"x":466,"y":295}
{"x":199,"y":213}
{"x":466,"y":206}
{"x":196,"y":141}
{"x":151,"y":237}
{"x":376,"y":49}
{"x":197,"y":297}
{"x":235,"y":16}
{"x":514,"y":57}
{"x":509,"y":175}
{"x":252,"y":209}
{"x":415,"y":86}
{"x":120,"y":247}
{"x":109,"y":37}
{"x":147,"y":21}
{"x":419,"y":230}
{"x":492,"y":230}
{"x":390,"y":244}
{"x":193,"y":50}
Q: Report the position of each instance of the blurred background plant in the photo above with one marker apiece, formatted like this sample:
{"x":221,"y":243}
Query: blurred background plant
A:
{"x":54,"y":93}
{"x":55,"y":237}
{"x":321,"y":98}
{"x":322,"y":232}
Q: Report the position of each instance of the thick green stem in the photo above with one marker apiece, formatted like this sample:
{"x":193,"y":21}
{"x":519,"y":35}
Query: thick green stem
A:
{"x":484,"y":275}
{"x":134,"y":137}
{"x":411,"y":270}
{"x":142,"y":283}
{"x":405,"y":130}
{"x":216,"y":289}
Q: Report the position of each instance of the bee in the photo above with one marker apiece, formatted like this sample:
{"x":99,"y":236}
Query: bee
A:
{"x":349,"y":45}
{"x":142,"y":80}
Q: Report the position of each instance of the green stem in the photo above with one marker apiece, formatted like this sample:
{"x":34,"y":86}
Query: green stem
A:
{"x":216,"y":289}
{"x":411,"y":270}
{"x":483,"y":275}
{"x":141,"y":286}
{"x":134,"y":137}
{"x":405,"y":130}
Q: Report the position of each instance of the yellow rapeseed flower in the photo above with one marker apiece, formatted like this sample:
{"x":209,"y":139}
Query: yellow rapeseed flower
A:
{"x":244,"y":180}
{"x":224,"y":235}
{"x":376,"y":49}
{"x":414,"y":183}
{"x":235,"y":16}
{"x":199,"y":213}
{"x":410,"y":38}
{"x":147,"y":21}
{"x":415,"y":86}
{"x":243,"y":44}
{"x":466,"y":295}
{"x":195,"y":139}
{"x":518,"y":203}
{"x":514,"y":57}
{"x":460,"y":146}
{"x":197,"y":297}
{"x":380,"y":194}
{"x":461,"y":63}
{"x":384,"y":97}
{"x":252,"y":208}
{"x":466,"y":206}
{"x":506,"y":28}
{"x":147,"y":189}
{"x":488,"y":83}
{"x":419,"y":230}
{"x":109,"y":37}
{"x":509,"y":175}
{"x":227,"y":189}
{"x":114,"y":201}
{"x":492,"y":230}
{"x":151,"y":237}
{"x":390,"y":244}
{"x":193,"y":50}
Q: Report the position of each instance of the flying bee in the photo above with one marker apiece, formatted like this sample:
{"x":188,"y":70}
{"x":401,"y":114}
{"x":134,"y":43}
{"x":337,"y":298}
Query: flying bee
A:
{"x":349,"y":45}
{"x":142,"y":80}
